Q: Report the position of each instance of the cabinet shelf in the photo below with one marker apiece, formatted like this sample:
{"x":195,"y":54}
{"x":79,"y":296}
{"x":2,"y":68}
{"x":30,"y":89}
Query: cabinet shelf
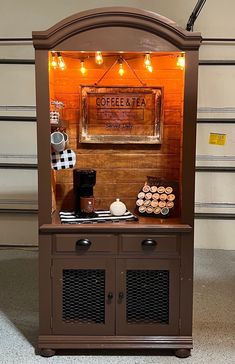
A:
{"x":143,"y":224}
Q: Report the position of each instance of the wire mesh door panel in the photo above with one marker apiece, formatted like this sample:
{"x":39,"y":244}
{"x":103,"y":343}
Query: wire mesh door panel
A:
{"x":84,"y":296}
{"x":148,"y":297}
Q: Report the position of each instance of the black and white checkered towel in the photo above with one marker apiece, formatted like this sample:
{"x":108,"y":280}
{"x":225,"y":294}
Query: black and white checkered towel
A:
{"x":63,"y":160}
{"x":102,"y":216}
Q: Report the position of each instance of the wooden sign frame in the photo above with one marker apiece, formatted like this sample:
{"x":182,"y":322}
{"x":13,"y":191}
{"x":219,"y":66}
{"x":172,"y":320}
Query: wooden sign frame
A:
{"x":121,"y":114}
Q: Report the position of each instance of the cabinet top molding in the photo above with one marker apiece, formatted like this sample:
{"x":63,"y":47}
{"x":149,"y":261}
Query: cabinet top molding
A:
{"x":119,"y":17}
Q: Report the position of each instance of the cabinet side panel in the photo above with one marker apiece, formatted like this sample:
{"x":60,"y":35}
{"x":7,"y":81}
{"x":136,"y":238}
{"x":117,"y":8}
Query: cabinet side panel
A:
{"x":43,"y":137}
{"x":45,"y":285}
{"x":189,"y":137}
{"x":186,"y":284}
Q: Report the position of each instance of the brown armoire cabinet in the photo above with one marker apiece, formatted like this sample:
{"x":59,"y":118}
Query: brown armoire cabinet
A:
{"x":131,"y":286}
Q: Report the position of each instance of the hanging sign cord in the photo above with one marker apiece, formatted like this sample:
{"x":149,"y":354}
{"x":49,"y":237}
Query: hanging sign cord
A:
{"x":132,"y":69}
{"x":105,"y":73}
{"x":129,"y":66}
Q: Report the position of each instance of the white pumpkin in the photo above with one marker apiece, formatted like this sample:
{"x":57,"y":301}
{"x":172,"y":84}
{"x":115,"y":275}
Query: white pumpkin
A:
{"x":117,"y":208}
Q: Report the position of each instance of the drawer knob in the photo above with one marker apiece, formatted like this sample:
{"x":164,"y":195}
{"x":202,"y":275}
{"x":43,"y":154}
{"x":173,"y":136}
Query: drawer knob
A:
{"x":149,"y":242}
{"x":83,"y":243}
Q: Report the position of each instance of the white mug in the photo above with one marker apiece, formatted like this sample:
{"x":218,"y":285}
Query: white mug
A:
{"x":58,"y":141}
{"x":66,"y":139}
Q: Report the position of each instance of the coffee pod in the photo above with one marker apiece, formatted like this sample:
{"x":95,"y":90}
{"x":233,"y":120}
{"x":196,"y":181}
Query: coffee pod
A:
{"x":147,"y":203}
{"x":171,"y":197}
{"x":170,"y":204}
{"x":141,"y":195}
{"x":168,"y":190}
{"x":142,"y":209}
{"x":146,"y":188}
{"x":162,"y":204}
{"x":164,"y":211}
{"x":148,"y":196}
{"x":163,"y":196}
{"x":139,"y":202}
{"x":155,"y":196}
{"x":149,"y":210}
{"x":153,"y":189}
{"x":154,"y":203}
{"x":161,"y":189}
{"x":157,"y":210}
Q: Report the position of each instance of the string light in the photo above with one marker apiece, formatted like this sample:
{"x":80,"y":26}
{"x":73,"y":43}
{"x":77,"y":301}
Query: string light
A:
{"x":54,"y":61}
{"x":121,"y":69}
{"x":98,"y":57}
{"x":61,"y":61}
{"x":147,"y":60}
{"x":148,"y":63}
{"x":181,"y":61}
{"x":82,"y":68}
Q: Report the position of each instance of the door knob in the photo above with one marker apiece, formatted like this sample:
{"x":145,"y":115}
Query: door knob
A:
{"x":110,"y":295}
{"x":121,"y":295}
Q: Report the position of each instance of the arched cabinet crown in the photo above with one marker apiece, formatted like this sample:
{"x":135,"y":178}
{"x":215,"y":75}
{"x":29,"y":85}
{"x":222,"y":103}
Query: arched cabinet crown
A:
{"x":142,"y":31}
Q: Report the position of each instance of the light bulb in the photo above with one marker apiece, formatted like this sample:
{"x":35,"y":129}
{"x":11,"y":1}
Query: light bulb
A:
{"x":61,"y":62}
{"x":181,"y":61}
{"x":98,"y":57}
{"x":53,"y":61}
{"x":82,"y":68}
{"x":121,"y":69}
{"x":150,"y":68}
{"x":147,"y":60}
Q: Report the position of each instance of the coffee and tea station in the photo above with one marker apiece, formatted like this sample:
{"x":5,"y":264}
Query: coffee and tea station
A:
{"x":116,"y":112}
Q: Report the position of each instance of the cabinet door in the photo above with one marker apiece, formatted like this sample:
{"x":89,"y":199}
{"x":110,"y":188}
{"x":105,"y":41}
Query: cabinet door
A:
{"x":147,"y":297}
{"x":83,"y":296}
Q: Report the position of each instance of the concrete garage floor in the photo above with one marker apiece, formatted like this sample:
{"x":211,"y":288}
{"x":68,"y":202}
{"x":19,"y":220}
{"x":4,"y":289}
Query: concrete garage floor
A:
{"x":214,"y":314}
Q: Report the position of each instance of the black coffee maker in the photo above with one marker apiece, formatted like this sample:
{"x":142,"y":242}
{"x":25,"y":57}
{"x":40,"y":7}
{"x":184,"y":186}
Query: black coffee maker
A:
{"x":83,"y":182}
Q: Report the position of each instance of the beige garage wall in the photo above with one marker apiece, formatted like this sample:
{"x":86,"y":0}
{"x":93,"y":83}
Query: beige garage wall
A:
{"x":17,"y":86}
{"x":214,"y":234}
{"x":18,"y":142}
{"x":216,"y":91}
{"x":215,"y":155}
{"x":18,"y":187}
{"x":19,"y":229}
{"x":42,"y":14}
{"x":19,"y":18}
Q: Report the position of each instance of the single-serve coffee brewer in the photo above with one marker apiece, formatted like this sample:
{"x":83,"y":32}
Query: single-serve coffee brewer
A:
{"x":83,"y":182}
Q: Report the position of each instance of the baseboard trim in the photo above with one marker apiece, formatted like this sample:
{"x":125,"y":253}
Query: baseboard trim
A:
{"x":114,"y":342}
{"x":18,"y":246}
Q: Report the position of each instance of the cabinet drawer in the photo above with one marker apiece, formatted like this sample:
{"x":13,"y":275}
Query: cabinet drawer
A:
{"x":148,"y":243}
{"x":84,"y":243}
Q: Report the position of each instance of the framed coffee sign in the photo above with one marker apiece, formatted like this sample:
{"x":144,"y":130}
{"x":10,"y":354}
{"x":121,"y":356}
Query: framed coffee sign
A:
{"x":121,"y":114}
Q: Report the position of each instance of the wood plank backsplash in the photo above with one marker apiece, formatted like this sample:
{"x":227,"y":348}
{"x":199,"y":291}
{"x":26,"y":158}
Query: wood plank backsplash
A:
{"x":121,"y":169}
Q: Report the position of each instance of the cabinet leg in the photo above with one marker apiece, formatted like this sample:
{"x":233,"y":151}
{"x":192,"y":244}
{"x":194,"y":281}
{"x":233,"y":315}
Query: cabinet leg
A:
{"x":182,"y":353}
{"x":47,"y":352}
